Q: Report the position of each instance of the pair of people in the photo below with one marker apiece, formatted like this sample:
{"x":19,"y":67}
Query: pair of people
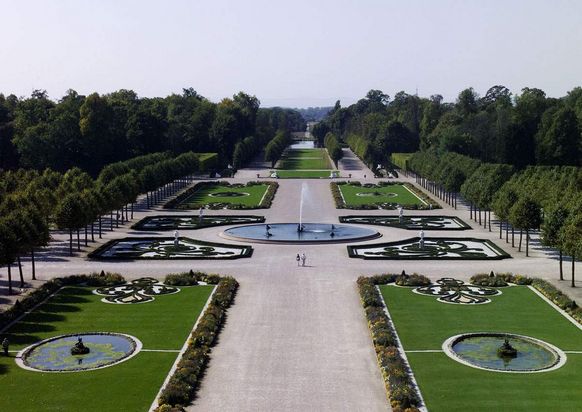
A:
{"x":301,"y":258}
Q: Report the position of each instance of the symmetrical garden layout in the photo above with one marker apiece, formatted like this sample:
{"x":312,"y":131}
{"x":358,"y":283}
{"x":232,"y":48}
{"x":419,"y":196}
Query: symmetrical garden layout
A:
{"x":417,"y":222}
{"x":168,"y":248}
{"x":223,"y":195}
{"x":161,"y":326}
{"x":431,"y":248}
{"x":385,"y":195}
{"x":304,"y":163}
{"x":423,"y":324}
{"x":190,"y":222}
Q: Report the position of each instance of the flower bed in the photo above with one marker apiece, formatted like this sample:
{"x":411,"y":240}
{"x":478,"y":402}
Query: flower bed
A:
{"x":400,"y":388}
{"x":258,"y":198}
{"x":185,"y":381}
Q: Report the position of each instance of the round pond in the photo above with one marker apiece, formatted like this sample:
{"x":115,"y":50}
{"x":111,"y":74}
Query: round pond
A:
{"x":54,"y":354}
{"x":481,"y":350}
{"x":296,"y":233}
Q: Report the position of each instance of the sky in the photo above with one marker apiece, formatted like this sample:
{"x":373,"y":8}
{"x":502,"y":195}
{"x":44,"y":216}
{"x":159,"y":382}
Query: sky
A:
{"x":289,"y":53}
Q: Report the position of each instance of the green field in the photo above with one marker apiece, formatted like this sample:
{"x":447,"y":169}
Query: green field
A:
{"x":163,"y":324}
{"x":207,"y":194}
{"x":396,"y":193}
{"x":305,"y":159}
{"x":305,"y":174}
{"x":446,"y":385}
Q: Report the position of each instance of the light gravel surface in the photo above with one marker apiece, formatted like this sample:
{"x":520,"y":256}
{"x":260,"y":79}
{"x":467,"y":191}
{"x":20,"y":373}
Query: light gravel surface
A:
{"x":296,"y":338}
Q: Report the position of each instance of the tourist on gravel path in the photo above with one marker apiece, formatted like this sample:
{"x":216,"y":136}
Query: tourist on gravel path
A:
{"x":297,"y":258}
{"x":303,"y":259}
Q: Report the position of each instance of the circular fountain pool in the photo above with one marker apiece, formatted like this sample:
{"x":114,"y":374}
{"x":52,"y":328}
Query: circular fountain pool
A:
{"x":54,"y":354}
{"x":296,"y":233}
{"x":481,"y":350}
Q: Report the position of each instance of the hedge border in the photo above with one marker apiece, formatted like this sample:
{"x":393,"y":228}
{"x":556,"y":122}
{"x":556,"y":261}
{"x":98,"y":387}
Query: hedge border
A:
{"x":265,"y":202}
{"x":139,"y":225}
{"x":463,"y":225}
{"x":182,"y":386}
{"x":247,"y":251}
{"x":401,"y":389}
{"x":502,"y":254}
{"x":341,"y":204}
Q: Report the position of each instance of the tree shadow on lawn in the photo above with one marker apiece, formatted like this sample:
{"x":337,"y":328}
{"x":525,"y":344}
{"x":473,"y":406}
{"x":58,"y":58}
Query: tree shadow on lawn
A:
{"x":3,"y":369}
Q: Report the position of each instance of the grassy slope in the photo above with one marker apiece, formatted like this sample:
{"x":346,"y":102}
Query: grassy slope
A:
{"x":201,"y":195}
{"x":129,"y":386}
{"x":305,"y":159}
{"x":424,"y":323}
{"x":404,"y":197}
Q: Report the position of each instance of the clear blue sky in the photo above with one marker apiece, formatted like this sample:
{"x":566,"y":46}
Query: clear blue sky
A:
{"x":290,"y":53}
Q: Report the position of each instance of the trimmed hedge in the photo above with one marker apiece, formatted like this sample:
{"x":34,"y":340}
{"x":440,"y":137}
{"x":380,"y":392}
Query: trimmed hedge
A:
{"x":43,"y":292}
{"x":185,"y":381}
{"x":400,"y":388}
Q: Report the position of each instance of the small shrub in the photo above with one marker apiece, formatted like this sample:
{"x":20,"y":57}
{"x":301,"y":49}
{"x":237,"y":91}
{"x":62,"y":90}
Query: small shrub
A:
{"x":413,"y":280}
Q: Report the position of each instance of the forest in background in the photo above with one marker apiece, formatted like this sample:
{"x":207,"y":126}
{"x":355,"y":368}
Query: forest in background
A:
{"x":92,"y":131}
{"x":524,"y":129}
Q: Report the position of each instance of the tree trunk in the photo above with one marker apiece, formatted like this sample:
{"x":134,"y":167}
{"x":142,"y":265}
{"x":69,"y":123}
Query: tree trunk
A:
{"x":111,"y":221}
{"x":20,"y":272}
{"x":573,"y":266}
{"x":33,"y":264}
{"x":520,"y":237}
{"x":526,"y":242}
{"x":71,"y":242}
{"x":132,"y":211}
{"x":10,"y":278}
{"x":500,"y":229}
{"x":512,"y":236}
{"x":489,"y":220}
{"x":507,"y":231}
{"x":92,"y":231}
{"x":100,"y":237}
{"x":470,"y":210}
{"x":86,"y":243}
{"x":561,"y":268}
{"x":78,"y":240}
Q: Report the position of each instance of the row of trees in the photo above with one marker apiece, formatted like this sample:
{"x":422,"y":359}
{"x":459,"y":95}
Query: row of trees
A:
{"x":277,"y":146}
{"x":333,"y":147}
{"x":92,"y":131}
{"x":31,"y":202}
{"x":538,"y":197}
{"x":526,"y":129}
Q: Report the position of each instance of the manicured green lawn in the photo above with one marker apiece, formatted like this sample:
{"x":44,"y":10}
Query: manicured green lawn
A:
{"x":207,"y":194}
{"x":446,"y":385}
{"x":305,"y":159}
{"x":395,"y":193}
{"x":298,"y":174}
{"x":130,"y":386}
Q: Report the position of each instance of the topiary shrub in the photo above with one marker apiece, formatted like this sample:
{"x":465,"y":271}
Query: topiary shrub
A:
{"x":412,"y":280}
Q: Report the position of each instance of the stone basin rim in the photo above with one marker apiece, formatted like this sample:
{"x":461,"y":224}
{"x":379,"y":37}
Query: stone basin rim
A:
{"x":22,"y":353}
{"x":330,"y":240}
{"x":448,"y":344}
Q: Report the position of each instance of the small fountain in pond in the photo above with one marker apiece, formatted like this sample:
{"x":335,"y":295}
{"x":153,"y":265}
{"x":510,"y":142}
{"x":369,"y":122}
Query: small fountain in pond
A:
{"x":506,"y":350}
{"x":300,"y":232}
{"x":79,"y":348}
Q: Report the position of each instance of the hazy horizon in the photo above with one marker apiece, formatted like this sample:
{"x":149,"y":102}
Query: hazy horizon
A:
{"x":297,"y":54}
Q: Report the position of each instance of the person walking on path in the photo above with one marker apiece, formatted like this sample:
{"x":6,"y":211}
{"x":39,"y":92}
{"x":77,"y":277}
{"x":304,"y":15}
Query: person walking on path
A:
{"x":303,"y":259}
{"x":297,"y":258}
{"x":5,"y":345}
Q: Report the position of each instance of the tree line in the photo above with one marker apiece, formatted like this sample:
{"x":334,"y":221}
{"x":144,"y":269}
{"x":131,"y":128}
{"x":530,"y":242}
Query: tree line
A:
{"x":92,"y":131}
{"x":548,"y":198}
{"x":32,"y":202}
{"x":520,"y":130}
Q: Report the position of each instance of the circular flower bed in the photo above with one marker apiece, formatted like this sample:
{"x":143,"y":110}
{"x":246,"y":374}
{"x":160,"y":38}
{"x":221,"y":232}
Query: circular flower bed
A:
{"x":54,"y":354}
{"x":482,"y":351}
